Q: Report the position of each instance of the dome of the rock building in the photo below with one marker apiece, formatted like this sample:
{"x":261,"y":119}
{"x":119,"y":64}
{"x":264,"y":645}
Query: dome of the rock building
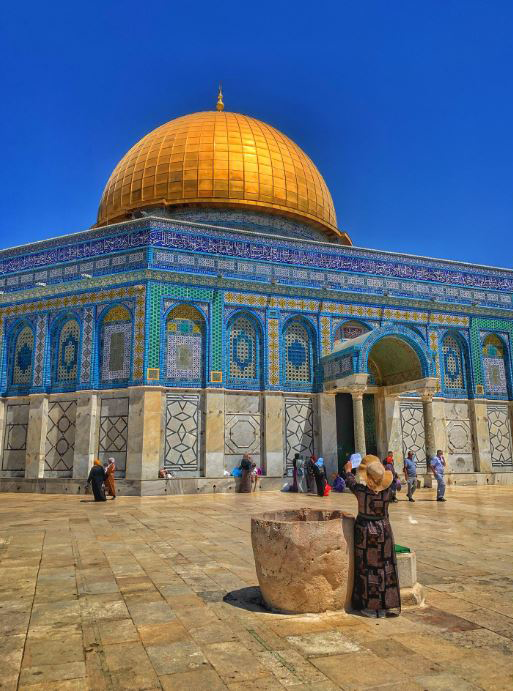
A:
{"x":219,"y":160}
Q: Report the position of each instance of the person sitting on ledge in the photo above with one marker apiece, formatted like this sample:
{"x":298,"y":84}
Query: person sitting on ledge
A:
{"x":376,"y":581}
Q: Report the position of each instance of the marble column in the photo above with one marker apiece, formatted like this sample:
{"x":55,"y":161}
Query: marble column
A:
{"x":478,"y":413}
{"x":144,"y":433}
{"x":327,"y":426}
{"x":214,"y":433}
{"x":274,"y":451}
{"x":359,"y":422}
{"x":429,"y":430}
{"x":85,"y":435}
{"x":36,"y":436}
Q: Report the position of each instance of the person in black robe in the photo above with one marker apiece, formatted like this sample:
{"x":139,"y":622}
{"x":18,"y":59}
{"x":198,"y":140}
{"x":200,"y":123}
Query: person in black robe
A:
{"x":96,"y":479}
{"x":376,"y":579}
{"x":245,"y":480}
{"x":320,"y":477}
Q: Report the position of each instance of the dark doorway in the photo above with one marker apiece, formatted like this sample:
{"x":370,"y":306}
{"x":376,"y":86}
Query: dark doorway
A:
{"x":345,"y":428}
{"x":369,"y":417}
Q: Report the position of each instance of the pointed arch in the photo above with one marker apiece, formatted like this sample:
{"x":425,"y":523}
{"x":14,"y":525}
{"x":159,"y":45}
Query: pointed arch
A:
{"x":495,"y":358}
{"x":21,"y":356}
{"x":351,"y":328}
{"x":455,"y":364}
{"x":115,"y":336}
{"x":299,"y":354}
{"x":244,"y":344}
{"x":65,"y":350}
{"x":185,"y":339}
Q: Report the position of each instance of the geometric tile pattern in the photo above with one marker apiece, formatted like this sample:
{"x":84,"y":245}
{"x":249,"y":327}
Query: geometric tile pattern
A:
{"x":459,"y":436}
{"x":116,"y":351}
{"x":39,"y":356}
{"x":350,"y":329}
{"x":500,"y":435}
{"x":15,"y":437}
{"x":243,"y":349}
{"x":87,"y":344}
{"x":66,"y":364}
{"x":185,"y":329}
{"x":494,"y":365}
{"x":60,"y":436}
{"x":413,"y":435}
{"x":182,"y":433}
{"x":242,"y":433}
{"x":298,"y":428}
{"x":114,"y":435}
{"x":22,"y":361}
{"x":297,"y":353}
{"x":453,"y":363}
{"x":273,"y":346}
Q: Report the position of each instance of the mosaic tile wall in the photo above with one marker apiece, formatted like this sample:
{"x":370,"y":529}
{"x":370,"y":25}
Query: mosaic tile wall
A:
{"x":66,"y":352}
{"x":22,"y":357}
{"x":298,"y":353}
{"x":185,"y":336}
{"x":453,"y":366}
{"x":244,"y":359}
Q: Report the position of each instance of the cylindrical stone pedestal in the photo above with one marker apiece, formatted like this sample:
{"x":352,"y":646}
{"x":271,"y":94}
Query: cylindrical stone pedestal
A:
{"x":304,"y":559}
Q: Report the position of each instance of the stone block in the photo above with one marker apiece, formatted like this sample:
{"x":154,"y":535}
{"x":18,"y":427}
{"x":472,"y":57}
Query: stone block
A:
{"x":302,"y":559}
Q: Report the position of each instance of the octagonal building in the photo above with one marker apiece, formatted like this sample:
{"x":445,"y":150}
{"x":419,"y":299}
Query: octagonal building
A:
{"x":216,"y":308}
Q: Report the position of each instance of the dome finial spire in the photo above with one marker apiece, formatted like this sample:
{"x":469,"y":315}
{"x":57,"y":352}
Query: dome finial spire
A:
{"x":220,"y":104}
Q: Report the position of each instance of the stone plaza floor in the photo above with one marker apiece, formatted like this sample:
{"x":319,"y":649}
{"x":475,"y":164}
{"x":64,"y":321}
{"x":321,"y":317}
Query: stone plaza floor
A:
{"x":129,"y":595}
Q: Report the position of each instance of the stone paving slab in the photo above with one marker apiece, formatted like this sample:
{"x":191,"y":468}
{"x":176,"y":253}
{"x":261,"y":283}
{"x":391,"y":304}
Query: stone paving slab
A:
{"x":161,"y":593}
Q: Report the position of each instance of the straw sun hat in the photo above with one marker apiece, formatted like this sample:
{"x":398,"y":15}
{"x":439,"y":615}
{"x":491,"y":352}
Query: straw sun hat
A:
{"x":373,"y":475}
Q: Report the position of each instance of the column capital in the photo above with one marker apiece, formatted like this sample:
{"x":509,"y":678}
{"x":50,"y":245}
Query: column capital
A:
{"x":427,"y":397}
{"x":357,"y":394}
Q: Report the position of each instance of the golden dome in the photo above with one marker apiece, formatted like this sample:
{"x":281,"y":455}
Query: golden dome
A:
{"x":219,"y":159}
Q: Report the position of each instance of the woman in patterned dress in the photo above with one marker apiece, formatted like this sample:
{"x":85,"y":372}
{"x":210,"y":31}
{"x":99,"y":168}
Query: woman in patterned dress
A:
{"x":376,"y":582}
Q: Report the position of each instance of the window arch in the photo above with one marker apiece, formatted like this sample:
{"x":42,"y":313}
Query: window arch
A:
{"x":22,"y":356}
{"x":298,"y":355}
{"x":350,"y":329}
{"x":453,"y":363}
{"x":116,"y":345}
{"x":244,"y":350}
{"x":65,"y":350}
{"x":185,"y":350}
{"x":494,"y":365}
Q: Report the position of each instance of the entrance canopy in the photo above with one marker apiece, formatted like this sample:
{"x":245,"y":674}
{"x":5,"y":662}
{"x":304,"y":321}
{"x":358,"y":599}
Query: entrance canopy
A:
{"x":391,"y":357}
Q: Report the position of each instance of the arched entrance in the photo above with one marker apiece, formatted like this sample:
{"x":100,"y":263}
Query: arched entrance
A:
{"x":367,"y":374}
{"x":393,"y":361}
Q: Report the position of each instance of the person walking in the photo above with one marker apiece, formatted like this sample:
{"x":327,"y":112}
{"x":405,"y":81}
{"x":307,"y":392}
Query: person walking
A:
{"x":254,"y":477}
{"x":110,"y":480}
{"x":410,"y":473}
{"x":437,"y":465}
{"x":320,"y":476}
{"x":389,"y":465}
{"x":245,"y":480}
{"x":96,"y":479}
{"x":376,"y":579}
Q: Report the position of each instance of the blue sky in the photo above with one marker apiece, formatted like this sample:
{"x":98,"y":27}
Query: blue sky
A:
{"x":405,"y":106}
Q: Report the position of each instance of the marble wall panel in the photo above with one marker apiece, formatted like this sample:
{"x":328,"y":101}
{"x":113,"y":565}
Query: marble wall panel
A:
{"x":15,"y":437}
{"x":499,"y":427}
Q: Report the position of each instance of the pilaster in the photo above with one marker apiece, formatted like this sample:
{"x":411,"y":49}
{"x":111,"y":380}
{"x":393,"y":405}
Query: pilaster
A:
{"x":36,"y":435}
{"x":214,"y":433}
{"x":327,"y":426}
{"x":274,"y":452}
{"x":144,"y":433}
{"x":85,"y":435}
{"x":479,"y":420}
